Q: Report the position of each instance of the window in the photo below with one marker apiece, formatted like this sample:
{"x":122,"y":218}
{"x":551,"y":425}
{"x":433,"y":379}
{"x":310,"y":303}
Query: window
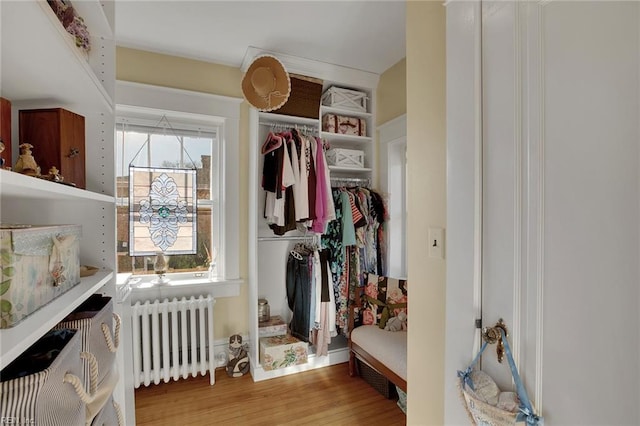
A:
{"x":196,"y":117}
{"x":171,"y":144}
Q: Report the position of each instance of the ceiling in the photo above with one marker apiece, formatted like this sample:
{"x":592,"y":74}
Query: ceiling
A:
{"x":366,"y":35}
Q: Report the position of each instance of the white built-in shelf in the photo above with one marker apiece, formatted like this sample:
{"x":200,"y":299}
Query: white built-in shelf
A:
{"x":16,"y":185}
{"x":35,"y":38}
{"x":350,"y":169}
{"x":341,"y":111}
{"x":18,"y":338}
{"x":93,"y":14}
{"x":331,"y":137}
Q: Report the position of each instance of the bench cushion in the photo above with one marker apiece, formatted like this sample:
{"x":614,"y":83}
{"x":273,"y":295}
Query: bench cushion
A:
{"x":390,"y":348}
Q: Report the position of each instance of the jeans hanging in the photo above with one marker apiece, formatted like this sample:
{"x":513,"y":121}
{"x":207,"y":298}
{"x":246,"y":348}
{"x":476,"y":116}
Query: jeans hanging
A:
{"x":299,"y":269}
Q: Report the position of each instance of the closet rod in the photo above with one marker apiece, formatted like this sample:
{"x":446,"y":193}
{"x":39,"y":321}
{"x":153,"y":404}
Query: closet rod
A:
{"x":288,"y":125}
{"x":361,"y":181}
{"x":289,"y":238}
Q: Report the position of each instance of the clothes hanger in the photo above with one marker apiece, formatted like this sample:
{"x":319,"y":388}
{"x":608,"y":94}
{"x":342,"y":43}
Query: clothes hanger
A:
{"x":272,"y":143}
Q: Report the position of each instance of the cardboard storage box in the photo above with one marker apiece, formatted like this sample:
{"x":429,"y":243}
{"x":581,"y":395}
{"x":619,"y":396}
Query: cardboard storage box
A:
{"x":39,"y":263}
{"x":344,"y":125}
{"x":274,"y":327}
{"x":282,"y":351}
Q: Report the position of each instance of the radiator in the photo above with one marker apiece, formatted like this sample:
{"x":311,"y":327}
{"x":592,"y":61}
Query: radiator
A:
{"x":172,"y":339}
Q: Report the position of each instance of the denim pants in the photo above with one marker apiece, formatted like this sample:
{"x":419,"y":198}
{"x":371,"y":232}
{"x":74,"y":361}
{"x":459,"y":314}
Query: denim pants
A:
{"x":299,"y":294}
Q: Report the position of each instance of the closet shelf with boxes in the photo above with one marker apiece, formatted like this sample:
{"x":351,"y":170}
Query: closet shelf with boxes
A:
{"x":276,"y":258}
{"x":45,"y":69}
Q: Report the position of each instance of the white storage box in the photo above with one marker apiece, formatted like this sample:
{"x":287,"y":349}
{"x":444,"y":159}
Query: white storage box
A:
{"x":346,"y":158}
{"x":38,"y":264}
{"x":339,"y":97}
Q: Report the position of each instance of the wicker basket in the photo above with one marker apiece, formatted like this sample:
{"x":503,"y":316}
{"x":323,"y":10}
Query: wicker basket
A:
{"x":304,"y":99}
{"x":377,"y":380}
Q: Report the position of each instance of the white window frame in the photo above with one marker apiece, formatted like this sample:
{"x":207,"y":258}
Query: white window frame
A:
{"x":142,"y":102}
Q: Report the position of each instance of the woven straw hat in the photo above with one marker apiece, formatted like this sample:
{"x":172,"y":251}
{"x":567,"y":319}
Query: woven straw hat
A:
{"x":266,"y":83}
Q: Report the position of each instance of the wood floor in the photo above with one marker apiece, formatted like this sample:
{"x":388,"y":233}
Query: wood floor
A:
{"x":326,"y":396}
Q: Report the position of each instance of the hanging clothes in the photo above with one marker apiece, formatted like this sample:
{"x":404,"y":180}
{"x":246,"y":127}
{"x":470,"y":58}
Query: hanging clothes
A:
{"x":297,"y":161}
{"x":277,"y":176}
{"x":298,"y":283}
{"x":356,"y":243}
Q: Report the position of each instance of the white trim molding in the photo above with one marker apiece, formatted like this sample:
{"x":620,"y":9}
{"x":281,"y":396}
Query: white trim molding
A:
{"x":201,"y":108}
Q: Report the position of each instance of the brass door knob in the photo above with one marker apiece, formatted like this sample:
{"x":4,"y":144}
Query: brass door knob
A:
{"x":493,"y":334}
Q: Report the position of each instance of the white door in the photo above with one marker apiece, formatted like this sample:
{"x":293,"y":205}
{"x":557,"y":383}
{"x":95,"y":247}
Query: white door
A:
{"x":543,"y":201}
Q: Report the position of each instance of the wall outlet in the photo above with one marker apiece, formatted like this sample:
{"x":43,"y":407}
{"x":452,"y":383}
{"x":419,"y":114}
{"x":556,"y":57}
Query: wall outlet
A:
{"x":436,"y":243}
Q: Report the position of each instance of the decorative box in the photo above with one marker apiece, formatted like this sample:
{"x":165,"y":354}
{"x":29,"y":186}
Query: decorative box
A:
{"x":282,"y":351}
{"x":345,"y":157}
{"x":274,"y":327}
{"x":344,"y":125}
{"x":339,"y":97}
{"x":38,"y":264}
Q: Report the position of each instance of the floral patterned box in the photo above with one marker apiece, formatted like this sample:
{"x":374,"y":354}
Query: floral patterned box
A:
{"x":37,"y":264}
{"x":282,"y":351}
{"x":274,"y":327}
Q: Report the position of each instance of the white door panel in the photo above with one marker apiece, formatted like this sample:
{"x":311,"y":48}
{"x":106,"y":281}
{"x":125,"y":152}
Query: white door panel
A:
{"x":591,"y":212}
{"x":560,"y":202}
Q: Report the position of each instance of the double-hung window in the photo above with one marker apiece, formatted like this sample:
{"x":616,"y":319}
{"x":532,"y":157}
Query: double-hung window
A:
{"x":170,"y":142}
{"x":183,"y":129}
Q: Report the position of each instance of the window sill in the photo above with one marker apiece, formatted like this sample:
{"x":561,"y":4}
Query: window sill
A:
{"x":179,"y":285}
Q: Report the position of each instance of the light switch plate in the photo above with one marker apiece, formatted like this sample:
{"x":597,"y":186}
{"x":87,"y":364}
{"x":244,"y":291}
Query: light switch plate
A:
{"x":436,"y":243}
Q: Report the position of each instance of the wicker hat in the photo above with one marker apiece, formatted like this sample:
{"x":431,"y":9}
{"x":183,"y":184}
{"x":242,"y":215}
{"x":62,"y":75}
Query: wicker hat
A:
{"x":266,"y":83}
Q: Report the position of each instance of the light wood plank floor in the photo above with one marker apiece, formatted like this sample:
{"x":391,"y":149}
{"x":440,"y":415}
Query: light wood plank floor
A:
{"x":326,"y":396}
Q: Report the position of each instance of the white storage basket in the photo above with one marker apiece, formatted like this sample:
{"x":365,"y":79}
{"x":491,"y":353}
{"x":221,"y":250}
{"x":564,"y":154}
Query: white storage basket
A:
{"x":43,"y":386}
{"x":346,"y":158}
{"x":94,"y":319}
{"x":338,"y":97}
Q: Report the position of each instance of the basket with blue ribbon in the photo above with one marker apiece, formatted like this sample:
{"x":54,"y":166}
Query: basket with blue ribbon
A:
{"x":484,"y":402}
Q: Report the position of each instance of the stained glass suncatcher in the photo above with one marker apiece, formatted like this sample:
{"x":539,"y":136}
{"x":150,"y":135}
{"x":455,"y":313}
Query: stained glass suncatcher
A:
{"x":162,"y":211}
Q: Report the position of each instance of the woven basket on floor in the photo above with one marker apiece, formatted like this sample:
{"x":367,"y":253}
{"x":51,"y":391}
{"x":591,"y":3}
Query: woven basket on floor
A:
{"x":377,"y":380}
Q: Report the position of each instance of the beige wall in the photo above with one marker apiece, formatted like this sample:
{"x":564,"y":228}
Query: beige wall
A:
{"x":391,"y":94}
{"x":426,"y":153}
{"x":231,"y":314}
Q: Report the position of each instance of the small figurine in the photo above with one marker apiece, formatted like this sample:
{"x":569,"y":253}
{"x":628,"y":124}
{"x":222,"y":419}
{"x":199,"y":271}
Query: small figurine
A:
{"x":54,"y":175}
{"x":238,"y":364}
{"x":26,"y":164}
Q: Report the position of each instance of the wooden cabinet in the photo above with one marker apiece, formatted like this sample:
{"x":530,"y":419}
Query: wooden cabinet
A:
{"x":5,"y":131}
{"x":58,"y":138}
